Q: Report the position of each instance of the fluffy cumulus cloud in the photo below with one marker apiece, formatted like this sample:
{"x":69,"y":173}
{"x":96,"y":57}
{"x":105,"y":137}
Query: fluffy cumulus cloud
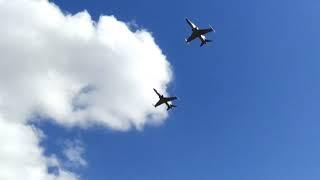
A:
{"x":22,"y":158}
{"x":75,"y":72}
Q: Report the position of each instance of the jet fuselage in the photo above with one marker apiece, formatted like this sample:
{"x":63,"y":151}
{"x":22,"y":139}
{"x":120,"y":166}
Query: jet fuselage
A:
{"x":198,"y":34}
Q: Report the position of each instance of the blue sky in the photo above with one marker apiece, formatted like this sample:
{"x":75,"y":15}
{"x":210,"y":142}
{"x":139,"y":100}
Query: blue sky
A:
{"x":249,"y":101}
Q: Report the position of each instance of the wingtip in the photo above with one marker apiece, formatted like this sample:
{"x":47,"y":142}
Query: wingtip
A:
{"x":212,"y":28}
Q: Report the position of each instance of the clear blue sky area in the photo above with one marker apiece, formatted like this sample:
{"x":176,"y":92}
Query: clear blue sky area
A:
{"x":249,"y":105}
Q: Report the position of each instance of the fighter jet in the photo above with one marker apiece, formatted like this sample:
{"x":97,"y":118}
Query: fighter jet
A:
{"x":198,"y":33}
{"x":164,"y":100}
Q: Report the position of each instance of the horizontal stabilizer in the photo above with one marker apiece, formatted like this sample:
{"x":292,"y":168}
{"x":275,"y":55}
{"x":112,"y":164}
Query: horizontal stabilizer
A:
{"x":170,"y":106}
{"x":205,"y":42}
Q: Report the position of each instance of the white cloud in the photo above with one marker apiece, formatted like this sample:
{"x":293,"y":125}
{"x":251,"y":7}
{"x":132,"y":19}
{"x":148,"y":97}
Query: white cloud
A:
{"x":47,"y":58}
{"x":75,"y":72}
{"x":74,"y":151}
{"x":22,"y":158}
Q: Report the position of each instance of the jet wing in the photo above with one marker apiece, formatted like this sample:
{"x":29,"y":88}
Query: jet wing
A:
{"x":192,"y":37}
{"x":170,"y":98}
{"x":191,"y":24}
{"x":157,"y":92}
{"x":205,"y":31}
{"x":158,"y":103}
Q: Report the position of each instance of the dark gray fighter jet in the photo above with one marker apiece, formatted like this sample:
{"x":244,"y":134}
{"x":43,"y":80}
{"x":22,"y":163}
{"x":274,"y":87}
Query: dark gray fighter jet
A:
{"x":198,"y":33}
{"x":164,"y":100}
